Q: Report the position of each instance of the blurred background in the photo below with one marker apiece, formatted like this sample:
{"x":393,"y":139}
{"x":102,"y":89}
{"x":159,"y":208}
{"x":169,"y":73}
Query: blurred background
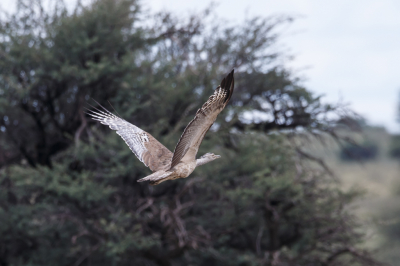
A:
{"x":345,"y":51}
{"x":312,"y":130}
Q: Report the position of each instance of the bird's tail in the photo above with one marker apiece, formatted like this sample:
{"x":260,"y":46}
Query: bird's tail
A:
{"x":157,"y":177}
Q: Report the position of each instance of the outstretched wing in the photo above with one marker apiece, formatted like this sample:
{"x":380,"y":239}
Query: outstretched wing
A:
{"x":193,"y":135}
{"x":146,"y":148}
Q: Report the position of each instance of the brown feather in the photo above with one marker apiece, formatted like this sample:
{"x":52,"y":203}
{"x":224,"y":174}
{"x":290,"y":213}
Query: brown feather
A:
{"x":193,"y":135}
{"x":160,"y":158}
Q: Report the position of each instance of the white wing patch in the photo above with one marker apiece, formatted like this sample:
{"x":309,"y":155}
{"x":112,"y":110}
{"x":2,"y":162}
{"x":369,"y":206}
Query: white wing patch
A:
{"x":133,"y":136}
{"x":144,"y":137}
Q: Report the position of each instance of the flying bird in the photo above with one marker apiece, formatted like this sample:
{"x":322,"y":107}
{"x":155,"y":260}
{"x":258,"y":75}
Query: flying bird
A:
{"x":164,"y":164}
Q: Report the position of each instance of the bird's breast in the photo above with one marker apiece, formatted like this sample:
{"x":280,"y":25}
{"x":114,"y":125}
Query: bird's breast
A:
{"x":185,"y":169}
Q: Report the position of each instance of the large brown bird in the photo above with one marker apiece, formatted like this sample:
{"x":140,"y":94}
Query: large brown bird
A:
{"x":165,"y":164}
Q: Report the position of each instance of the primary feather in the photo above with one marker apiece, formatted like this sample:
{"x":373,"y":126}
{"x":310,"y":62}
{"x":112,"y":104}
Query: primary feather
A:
{"x":146,"y":148}
{"x":193,"y":135}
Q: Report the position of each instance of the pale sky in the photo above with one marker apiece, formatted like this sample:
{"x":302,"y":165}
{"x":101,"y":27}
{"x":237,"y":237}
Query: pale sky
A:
{"x":346,"y":50}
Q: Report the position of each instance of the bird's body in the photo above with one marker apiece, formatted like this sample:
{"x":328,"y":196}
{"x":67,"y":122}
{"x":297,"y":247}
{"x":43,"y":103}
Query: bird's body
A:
{"x":165,"y":164}
{"x":181,"y":170}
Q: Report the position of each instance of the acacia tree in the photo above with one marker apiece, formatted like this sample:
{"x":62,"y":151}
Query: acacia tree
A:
{"x":69,"y":194}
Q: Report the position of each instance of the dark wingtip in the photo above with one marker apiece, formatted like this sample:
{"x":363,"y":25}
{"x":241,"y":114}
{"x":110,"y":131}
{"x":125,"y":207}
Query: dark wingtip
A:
{"x":228,"y":83}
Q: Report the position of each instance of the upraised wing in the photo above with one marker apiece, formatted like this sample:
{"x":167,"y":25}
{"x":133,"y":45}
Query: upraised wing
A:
{"x":146,"y":148}
{"x":193,"y":135}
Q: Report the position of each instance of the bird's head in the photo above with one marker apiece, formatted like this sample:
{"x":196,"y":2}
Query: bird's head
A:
{"x":206,"y":158}
{"x":210,"y":156}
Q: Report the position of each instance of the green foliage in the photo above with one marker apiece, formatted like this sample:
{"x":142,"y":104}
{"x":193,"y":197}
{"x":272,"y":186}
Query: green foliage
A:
{"x":68,"y":186}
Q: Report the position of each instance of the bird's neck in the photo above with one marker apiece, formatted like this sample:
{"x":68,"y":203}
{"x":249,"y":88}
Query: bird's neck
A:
{"x":202,"y":161}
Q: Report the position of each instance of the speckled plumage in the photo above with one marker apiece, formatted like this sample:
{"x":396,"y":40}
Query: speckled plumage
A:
{"x":165,"y":164}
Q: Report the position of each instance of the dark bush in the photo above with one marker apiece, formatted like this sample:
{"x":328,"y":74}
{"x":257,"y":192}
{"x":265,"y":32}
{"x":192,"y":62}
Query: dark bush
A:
{"x":359,"y":152}
{"x":394,"y":150}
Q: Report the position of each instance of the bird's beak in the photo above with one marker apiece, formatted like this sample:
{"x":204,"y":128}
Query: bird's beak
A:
{"x":217,"y":156}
